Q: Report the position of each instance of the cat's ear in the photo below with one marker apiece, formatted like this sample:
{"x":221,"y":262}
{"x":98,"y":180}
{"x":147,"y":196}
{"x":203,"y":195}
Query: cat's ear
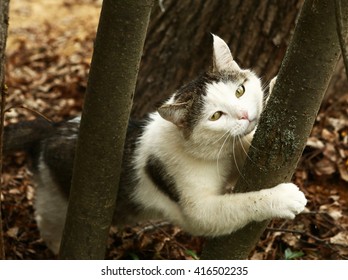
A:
{"x":175,"y":112}
{"x":270,"y":90}
{"x":271,"y":85}
{"x":222,"y":57}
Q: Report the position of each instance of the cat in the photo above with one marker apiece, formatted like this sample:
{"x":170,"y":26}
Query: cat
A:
{"x":179,"y":164}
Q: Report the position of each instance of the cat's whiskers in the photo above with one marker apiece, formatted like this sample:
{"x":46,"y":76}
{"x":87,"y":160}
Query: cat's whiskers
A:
{"x":249,"y":142}
{"x":248,"y":139}
{"x":236,"y":163}
{"x":267,"y":93}
{"x":235,"y":160}
{"x":219,"y":153}
{"x":243,"y":149}
{"x":246,"y":153}
{"x":220,"y":138}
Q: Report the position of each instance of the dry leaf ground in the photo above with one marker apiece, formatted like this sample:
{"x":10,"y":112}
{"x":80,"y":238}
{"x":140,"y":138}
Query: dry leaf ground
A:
{"x":49,"y":50}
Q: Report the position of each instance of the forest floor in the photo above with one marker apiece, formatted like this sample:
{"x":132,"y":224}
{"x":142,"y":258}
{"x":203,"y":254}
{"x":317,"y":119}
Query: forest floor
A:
{"x":49,"y":50}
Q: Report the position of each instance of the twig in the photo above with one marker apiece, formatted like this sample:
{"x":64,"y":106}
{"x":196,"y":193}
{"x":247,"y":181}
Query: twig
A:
{"x":159,"y":227}
{"x":340,"y":33}
{"x":30,"y":110}
{"x":322,"y":241}
{"x":301,"y":232}
{"x":285,"y":230}
{"x":152,"y":226}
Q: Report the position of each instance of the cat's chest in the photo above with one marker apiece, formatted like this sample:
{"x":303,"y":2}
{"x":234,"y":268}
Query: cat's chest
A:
{"x":202,"y":176}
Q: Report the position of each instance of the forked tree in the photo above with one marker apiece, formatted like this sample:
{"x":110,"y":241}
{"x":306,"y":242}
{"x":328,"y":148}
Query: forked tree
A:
{"x":289,"y":116}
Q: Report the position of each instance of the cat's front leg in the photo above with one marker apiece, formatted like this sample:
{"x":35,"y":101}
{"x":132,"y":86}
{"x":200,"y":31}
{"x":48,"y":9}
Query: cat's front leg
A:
{"x":214,"y":215}
{"x":284,"y":201}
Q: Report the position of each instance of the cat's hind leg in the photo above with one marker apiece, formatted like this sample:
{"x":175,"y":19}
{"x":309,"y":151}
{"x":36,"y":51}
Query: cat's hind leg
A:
{"x":50,"y":209}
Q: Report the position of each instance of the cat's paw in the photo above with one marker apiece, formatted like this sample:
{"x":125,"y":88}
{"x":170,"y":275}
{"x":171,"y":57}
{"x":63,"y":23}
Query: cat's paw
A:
{"x":287,"y":201}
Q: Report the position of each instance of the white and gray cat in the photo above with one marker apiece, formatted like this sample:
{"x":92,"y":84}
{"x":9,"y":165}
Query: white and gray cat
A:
{"x":178,"y":164}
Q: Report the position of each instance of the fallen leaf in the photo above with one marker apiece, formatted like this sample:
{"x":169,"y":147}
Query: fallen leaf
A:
{"x":341,"y":239}
{"x":325,"y":167}
{"x":343,"y":169}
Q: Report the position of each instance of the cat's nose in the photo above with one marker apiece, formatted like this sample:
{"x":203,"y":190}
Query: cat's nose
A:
{"x":243,"y":115}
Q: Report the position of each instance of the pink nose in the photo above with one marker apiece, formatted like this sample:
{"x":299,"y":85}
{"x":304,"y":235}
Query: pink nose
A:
{"x":243,"y":115}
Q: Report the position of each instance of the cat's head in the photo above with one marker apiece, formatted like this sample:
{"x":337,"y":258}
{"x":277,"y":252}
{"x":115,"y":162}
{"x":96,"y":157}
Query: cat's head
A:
{"x":224,"y":101}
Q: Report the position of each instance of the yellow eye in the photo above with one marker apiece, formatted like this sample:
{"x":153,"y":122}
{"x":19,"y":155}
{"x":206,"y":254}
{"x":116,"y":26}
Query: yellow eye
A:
{"x":217,"y":115}
{"x":240,"y":91}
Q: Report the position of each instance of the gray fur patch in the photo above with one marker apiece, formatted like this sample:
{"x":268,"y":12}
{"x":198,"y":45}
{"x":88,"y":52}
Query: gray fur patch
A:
{"x":59,"y":152}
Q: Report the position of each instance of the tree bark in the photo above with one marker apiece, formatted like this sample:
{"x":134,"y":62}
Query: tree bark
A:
{"x":118,"y":47}
{"x":285,"y":126}
{"x":4,"y":12}
{"x":178,"y":46}
{"x":341,"y":35}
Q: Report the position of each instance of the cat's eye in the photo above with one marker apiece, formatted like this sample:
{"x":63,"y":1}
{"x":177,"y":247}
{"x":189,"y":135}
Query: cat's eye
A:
{"x":217,"y":115}
{"x":240,"y":91}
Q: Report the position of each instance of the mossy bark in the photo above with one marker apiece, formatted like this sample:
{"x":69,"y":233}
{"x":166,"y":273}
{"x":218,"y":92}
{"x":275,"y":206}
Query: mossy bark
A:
{"x":288,"y":119}
{"x":116,"y":58}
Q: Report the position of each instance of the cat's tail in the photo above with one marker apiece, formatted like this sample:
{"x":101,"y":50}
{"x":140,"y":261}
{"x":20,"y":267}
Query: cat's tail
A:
{"x":24,"y":135}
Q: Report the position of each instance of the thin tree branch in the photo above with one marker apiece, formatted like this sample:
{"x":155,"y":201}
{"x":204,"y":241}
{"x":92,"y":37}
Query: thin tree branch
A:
{"x":37,"y":113}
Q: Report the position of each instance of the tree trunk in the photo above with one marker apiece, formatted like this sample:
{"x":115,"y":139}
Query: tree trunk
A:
{"x":118,"y":47}
{"x":284,"y":126}
{"x":178,"y":45}
{"x":4,"y":10}
{"x":341,"y":35}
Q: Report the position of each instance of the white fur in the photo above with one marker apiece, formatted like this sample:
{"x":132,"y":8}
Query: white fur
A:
{"x":223,"y":60}
{"x":207,"y":163}
{"x":221,"y":97}
{"x":205,"y":209}
{"x":76,"y":120}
